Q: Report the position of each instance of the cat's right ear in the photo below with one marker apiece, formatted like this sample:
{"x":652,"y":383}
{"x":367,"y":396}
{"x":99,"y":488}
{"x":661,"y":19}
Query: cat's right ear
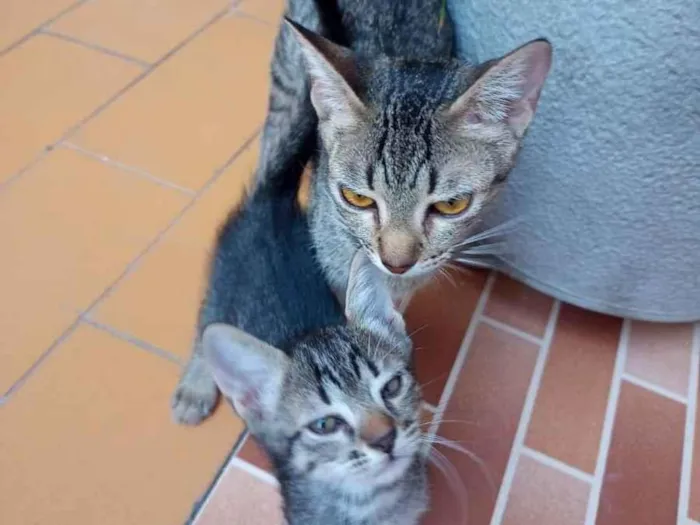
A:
{"x":333,"y":73}
{"x":248,"y":371}
{"x":368,"y":301}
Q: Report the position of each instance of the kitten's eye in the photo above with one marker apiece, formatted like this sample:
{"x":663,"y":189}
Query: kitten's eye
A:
{"x":453,"y":206}
{"x":356,"y":199}
{"x":392,"y":388}
{"x":326,"y":425}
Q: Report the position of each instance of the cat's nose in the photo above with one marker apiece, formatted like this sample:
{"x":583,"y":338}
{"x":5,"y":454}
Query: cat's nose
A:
{"x":386,"y":442}
{"x":398,"y":270}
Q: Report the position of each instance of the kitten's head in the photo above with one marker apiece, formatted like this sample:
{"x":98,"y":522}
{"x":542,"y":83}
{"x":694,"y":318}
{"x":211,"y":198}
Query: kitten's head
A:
{"x":344,"y":407}
{"x":412,"y":151}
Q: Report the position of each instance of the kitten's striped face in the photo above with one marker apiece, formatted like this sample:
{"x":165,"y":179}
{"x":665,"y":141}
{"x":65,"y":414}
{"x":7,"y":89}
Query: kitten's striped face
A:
{"x":352,"y":407}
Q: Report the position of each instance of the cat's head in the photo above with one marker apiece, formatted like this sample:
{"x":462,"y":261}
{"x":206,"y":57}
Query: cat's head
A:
{"x":411,"y":152}
{"x":343,"y":407}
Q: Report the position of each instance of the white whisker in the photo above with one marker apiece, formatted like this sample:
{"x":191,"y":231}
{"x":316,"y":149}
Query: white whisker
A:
{"x":454,"y":481}
{"x":472,"y":262}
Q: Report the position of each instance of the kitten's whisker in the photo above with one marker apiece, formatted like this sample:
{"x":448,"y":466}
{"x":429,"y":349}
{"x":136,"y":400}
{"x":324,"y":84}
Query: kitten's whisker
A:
{"x":439,"y":440}
{"x":500,"y":229}
{"x":447,"y":276}
{"x":454,"y":481}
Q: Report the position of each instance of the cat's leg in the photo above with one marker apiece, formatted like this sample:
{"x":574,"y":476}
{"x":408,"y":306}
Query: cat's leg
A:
{"x":196,"y":393}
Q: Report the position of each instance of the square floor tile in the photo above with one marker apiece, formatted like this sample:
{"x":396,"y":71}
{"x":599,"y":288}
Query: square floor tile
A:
{"x":267,"y":10}
{"x":48,"y":85}
{"x":158,"y":301}
{"x":20,"y":17}
{"x":145,"y":30}
{"x":261,"y":504}
{"x":69,"y":227}
{"x":88,"y":439}
{"x":195,"y":110}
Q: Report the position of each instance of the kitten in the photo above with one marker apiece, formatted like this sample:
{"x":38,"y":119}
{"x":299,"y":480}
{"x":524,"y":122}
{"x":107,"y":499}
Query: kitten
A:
{"x":413,"y":143}
{"x":328,"y":394}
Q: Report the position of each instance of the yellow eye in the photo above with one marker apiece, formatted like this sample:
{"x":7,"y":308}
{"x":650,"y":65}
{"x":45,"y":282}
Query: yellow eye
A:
{"x":356,"y":199}
{"x":453,"y":206}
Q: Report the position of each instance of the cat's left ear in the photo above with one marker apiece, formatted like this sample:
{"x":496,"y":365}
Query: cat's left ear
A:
{"x":333,"y":73}
{"x":247,"y":370}
{"x":508,"y":92}
{"x":368,"y":301}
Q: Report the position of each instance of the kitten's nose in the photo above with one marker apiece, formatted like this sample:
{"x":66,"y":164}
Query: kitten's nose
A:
{"x":385,"y":443}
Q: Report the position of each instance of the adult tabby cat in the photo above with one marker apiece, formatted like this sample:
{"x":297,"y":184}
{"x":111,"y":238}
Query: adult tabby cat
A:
{"x":330,"y":396}
{"x":413,"y":143}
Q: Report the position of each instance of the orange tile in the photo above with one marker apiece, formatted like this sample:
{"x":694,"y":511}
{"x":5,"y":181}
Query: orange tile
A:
{"x":568,"y":416}
{"x":68,"y":237}
{"x":158,"y":301}
{"x":46,"y":86}
{"x":194,"y":111}
{"x":541,"y":495}
{"x":242,"y":499}
{"x":438,"y":316}
{"x":89,"y":440}
{"x":266,"y":10}
{"x":642,"y":476}
{"x":519,"y":306}
{"x":19,"y":17}
{"x":660,"y":354}
{"x":483,"y":416}
{"x":145,"y":30}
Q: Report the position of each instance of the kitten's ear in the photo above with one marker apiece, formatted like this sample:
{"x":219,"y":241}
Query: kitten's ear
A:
{"x":507,"y":93}
{"x":333,"y":74}
{"x":368,"y":301}
{"x":248,"y":371}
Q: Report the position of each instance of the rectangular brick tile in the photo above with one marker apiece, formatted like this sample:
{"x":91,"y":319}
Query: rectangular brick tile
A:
{"x":89,"y":439}
{"x":483,"y":417}
{"x":46,"y":87}
{"x":19,"y":17}
{"x":195,"y":110}
{"x":67,"y":236}
{"x":158,"y":301}
{"x":694,"y":503}
{"x":568,"y":416}
{"x":243,"y":499}
{"x":145,"y":30}
{"x":660,"y":353}
{"x":642,"y":476}
{"x":438,"y":317}
{"x":541,"y":495}
{"x":519,"y":306}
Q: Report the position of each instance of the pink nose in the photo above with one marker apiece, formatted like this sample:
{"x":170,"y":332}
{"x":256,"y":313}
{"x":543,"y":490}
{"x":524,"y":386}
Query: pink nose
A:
{"x":398,"y":270}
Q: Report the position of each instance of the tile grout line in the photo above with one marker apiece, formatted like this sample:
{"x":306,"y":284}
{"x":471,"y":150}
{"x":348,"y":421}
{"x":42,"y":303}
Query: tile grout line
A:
{"x":651,"y":387}
{"x":123,"y":167}
{"x":121,"y":92}
{"x":140,"y":343}
{"x":127,"y":270}
{"x":256,"y":472}
{"x":44,"y":24}
{"x":526,"y":416}
{"x":213,"y":485}
{"x":608,"y":425}
{"x":430,"y":408}
{"x":556,"y":464}
{"x":459,"y":361}
{"x":689,"y":435}
{"x":94,"y":47}
{"x":495,"y":323}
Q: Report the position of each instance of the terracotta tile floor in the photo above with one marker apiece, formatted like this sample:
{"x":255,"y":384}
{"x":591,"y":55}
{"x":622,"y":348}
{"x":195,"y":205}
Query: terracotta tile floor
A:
{"x":128,"y":130}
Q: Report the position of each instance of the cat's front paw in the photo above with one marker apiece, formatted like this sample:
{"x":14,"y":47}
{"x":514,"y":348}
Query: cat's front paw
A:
{"x":195,"y":395}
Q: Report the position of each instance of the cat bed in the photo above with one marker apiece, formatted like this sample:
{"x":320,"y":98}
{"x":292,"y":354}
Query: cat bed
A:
{"x":607,"y":186}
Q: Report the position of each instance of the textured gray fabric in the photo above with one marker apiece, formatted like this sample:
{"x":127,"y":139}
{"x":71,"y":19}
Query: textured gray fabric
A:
{"x":608,"y":182}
